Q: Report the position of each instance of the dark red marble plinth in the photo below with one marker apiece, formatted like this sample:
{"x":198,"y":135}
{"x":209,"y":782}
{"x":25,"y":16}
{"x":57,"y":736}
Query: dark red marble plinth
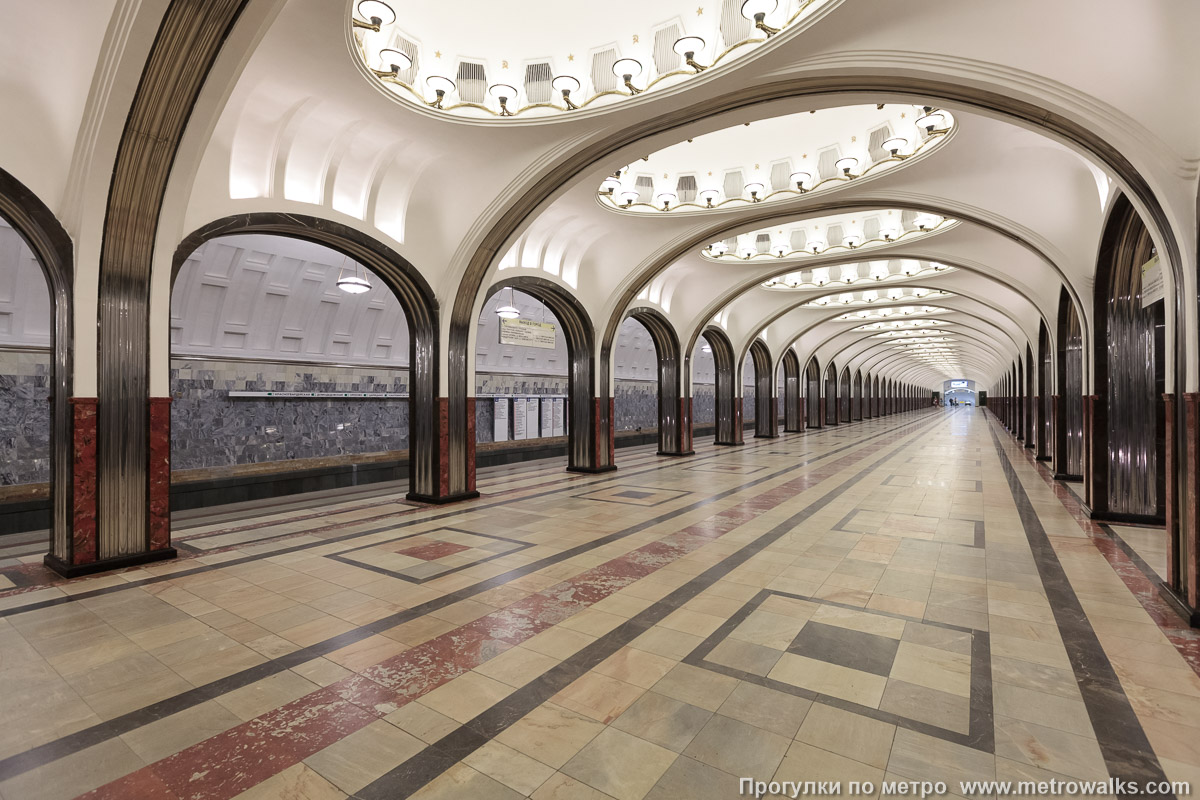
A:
{"x":1172,"y":513}
{"x":738,"y":421}
{"x":470,"y":445}
{"x":612,"y":433}
{"x":1190,"y":521}
{"x":84,"y":544}
{"x":1095,"y":450}
{"x":686,"y":425}
{"x":443,"y":434}
{"x":160,"y":473}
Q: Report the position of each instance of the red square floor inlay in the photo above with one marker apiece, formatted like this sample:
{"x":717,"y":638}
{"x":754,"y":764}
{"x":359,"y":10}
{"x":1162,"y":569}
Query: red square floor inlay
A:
{"x":432,"y":551}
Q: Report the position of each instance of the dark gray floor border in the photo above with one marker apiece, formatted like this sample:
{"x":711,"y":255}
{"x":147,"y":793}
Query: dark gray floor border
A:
{"x":49,"y":752}
{"x":1123,"y":742}
{"x":981,"y":732}
{"x":572,"y":484}
{"x":1127,"y":549}
{"x":434,"y":759}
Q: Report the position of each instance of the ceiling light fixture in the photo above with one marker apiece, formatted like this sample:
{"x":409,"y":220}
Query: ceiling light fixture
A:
{"x":509,"y":311}
{"x":817,"y":245}
{"x":627,"y":69}
{"x":799,"y":178}
{"x":440,"y":85}
{"x":757,"y":10}
{"x":392,"y":63}
{"x":718,"y":248}
{"x":629,"y":197}
{"x":354,"y":283}
{"x":846,"y":164}
{"x":378,"y":12}
{"x":610,"y":184}
{"x":895,"y":145}
{"x":753,"y":189}
{"x":566,"y":84}
{"x":666,"y":198}
{"x":687,"y":47}
{"x":931,"y":121}
{"x":502,"y":92}
{"x":709,"y":195}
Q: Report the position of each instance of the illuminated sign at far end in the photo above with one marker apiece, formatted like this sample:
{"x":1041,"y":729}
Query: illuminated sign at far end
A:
{"x":959,"y":384}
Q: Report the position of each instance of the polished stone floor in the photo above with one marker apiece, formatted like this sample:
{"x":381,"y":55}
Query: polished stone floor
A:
{"x":902,"y":599}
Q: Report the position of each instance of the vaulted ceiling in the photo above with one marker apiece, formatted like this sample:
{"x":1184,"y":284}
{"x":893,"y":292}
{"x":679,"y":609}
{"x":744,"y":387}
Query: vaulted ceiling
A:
{"x":1031,"y":149}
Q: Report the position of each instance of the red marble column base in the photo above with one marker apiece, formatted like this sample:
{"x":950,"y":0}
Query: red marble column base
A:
{"x":85,"y":546}
{"x":1172,"y":513}
{"x":160,"y":473}
{"x":1189,"y":569}
{"x":442,"y":438}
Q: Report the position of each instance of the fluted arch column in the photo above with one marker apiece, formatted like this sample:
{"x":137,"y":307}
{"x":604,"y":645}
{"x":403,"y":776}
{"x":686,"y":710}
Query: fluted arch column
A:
{"x":728,"y":401}
{"x":766,"y":407}
{"x":793,"y":416}
{"x":72,"y":419}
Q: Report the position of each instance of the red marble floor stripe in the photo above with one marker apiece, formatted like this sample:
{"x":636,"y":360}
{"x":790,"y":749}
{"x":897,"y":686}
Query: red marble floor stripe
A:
{"x":1185,"y":639}
{"x":231,"y":762}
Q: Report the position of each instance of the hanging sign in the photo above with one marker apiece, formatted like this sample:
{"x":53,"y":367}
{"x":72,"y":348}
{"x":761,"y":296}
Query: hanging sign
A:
{"x":527,"y":333}
{"x":1153,"y":284}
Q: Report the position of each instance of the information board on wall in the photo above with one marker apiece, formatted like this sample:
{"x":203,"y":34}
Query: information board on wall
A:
{"x":500,"y":419}
{"x":547,"y":407}
{"x":1153,"y":285}
{"x":519,"y":418}
{"x":527,"y":333}
{"x":532,"y":426}
{"x":559,"y":417}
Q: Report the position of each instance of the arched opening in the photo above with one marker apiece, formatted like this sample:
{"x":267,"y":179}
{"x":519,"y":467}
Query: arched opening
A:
{"x":254,"y":247}
{"x":668,"y":413}
{"x":831,"y":394}
{"x":26,"y":378}
{"x":812,"y":394}
{"x":844,"y":396}
{"x":590,"y":440}
{"x":281,"y":380}
{"x":1030,"y":399}
{"x":1045,"y":426}
{"x":1068,"y":449}
{"x":856,"y":408}
{"x":43,"y":451}
{"x":766,"y":419}
{"x":868,"y":398}
{"x":1127,"y":415}
{"x":703,"y":369}
{"x":877,"y":399}
{"x":793,"y":419}
{"x":727,"y":409}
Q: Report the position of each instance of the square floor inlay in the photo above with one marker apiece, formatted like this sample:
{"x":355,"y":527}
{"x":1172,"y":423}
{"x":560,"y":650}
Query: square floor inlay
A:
{"x":729,"y":469}
{"x":927,"y":676}
{"x":633,"y":495}
{"x":424,"y":556}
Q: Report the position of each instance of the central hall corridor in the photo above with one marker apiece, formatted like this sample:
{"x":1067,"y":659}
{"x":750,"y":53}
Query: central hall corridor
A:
{"x":906,"y":598}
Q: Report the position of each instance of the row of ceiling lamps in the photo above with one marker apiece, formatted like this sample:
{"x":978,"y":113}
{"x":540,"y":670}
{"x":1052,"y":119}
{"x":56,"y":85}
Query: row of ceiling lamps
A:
{"x":392,"y":62}
{"x":933,"y":122}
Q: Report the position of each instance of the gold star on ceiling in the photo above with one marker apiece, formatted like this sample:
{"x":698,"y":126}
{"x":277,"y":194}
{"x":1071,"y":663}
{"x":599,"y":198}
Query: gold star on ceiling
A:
{"x":700,"y":11}
{"x":437,"y":54}
{"x":571,"y":57}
